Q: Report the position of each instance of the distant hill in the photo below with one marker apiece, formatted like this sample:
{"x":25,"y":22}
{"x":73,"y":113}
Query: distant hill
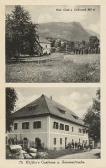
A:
{"x":67,"y":31}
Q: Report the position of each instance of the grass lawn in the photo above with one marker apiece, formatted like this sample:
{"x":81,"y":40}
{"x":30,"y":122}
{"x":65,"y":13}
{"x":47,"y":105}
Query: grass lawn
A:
{"x":60,"y":68}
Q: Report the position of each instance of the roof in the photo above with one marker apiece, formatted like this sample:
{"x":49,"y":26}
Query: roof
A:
{"x":43,"y":40}
{"x":46,"y":106}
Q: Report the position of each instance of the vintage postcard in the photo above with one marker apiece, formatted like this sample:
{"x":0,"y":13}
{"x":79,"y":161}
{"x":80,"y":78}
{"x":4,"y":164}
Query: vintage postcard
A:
{"x":51,"y":44}
{"x":53,"y":123}
{"x":52,"y":84}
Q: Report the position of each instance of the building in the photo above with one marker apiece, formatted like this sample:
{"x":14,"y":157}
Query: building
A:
{"x":49,"y":123}
{"x":46,"y":46}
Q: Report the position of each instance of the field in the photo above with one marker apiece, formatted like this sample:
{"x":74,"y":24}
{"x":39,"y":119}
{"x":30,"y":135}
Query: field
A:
{"x":56,"y":68}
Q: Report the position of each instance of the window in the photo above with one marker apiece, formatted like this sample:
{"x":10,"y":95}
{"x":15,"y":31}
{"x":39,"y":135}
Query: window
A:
{"x":61,"y":126}
{"x":83,"y":131}
{"x":55,"y":125}
{"x":15,"y":126}
{"x":37,"y":124}
{"x":61,"y":141}
{"x":25,"y":125}
{"x":72,"y":129}
{"x":54,"y":141}
{"x":86,"y":131}
{"x":65,"y":142}
{"x":67,"y":127}
{"x":80,"y":130}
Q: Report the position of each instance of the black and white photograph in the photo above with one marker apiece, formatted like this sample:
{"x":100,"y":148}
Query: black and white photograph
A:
{"x":52,"y":44}
{"x":53,"y":123}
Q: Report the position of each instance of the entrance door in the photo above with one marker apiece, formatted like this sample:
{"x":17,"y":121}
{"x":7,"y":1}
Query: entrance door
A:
{"x":38,"y":143}
{"x":25,"y":143}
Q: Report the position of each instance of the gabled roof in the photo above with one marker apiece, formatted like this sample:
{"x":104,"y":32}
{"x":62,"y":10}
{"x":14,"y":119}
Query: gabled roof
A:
{"x":46,"y":106}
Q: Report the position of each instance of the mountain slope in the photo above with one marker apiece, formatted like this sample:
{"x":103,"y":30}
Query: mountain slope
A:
{"x":67,"y":31}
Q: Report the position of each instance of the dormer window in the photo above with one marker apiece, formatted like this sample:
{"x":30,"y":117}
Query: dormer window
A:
{"x":32,"y":107}
{"x":76,"y":117}
{"x":61,"y":110}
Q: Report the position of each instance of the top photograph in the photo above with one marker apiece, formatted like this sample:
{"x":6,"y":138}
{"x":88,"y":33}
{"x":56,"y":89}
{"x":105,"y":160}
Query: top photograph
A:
{"x":52,"y":44}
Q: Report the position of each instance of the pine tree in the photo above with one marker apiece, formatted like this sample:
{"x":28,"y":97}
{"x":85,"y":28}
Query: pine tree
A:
{"x":11,"y":98}
{"x":21,"y":33}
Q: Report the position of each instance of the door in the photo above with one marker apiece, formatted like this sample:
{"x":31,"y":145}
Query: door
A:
{"x":38,"y":143}
{"x":25,"y":143}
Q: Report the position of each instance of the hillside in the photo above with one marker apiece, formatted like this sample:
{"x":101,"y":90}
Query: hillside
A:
{"x":67,"y":31}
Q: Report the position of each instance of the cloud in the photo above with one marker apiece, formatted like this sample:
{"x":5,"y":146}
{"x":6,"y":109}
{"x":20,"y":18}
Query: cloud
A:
{"x":75,"y":96}
{"x":78,"y":102}
{"x":95,"y":28}
{"x":22,"y":101}
{"x":44,"y":18}
{"x":76,"y":99}
{"x":42,"y":14}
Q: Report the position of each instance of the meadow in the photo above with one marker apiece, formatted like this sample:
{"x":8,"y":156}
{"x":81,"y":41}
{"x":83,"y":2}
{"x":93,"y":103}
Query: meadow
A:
{"x":56,"y":68}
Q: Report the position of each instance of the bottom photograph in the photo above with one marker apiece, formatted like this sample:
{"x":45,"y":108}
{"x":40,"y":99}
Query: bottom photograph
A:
{"x":53,"y":123}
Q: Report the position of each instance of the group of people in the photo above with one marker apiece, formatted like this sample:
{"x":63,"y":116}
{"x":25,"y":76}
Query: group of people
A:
{"x":79,"y":146}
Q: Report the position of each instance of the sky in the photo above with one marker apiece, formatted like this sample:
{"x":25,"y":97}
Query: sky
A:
{"x":42,"y":14}
{"x":76,"y":99}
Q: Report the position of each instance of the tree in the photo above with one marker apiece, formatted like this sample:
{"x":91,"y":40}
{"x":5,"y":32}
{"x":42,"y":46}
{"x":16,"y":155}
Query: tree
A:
{"x":11,"y":98}
{"x":63,"y":46}
{"x":21,"y":33}
{"x":92,"y":118}
{"x":57,"y":43}
{"x":94,"y":42}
